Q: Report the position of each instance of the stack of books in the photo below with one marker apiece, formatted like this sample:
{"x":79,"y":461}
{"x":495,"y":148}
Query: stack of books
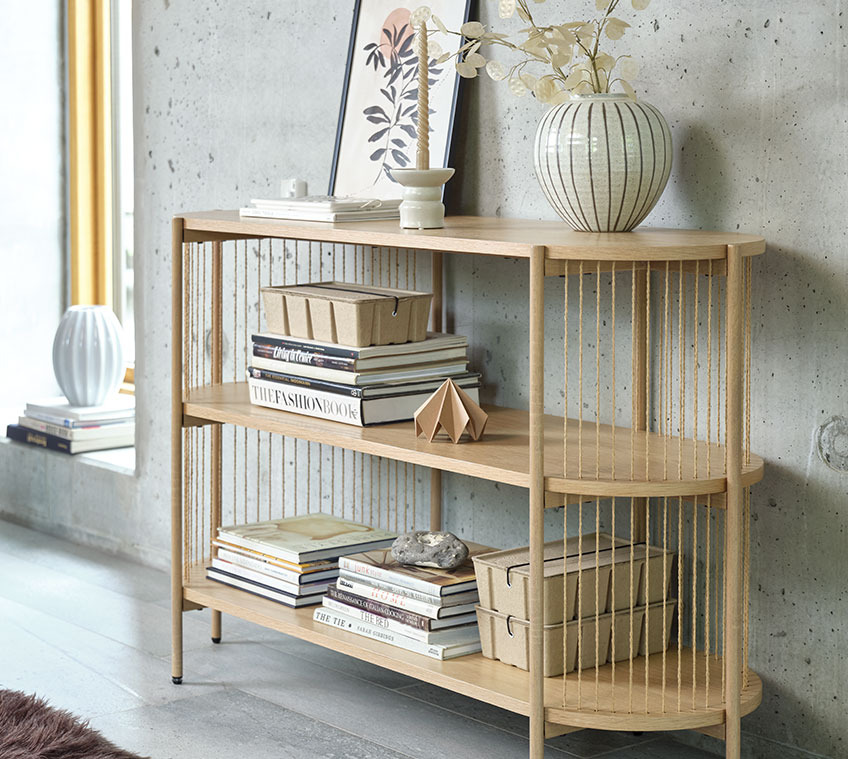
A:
{"x":323,"y":208}
{"x":421,"y":609}
{"x":291,"y":560}
{"x":55,"y":424}
{"x":359,"y":386}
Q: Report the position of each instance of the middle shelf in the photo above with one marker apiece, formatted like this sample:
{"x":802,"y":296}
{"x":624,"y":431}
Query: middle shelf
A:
{"x":601,"y":461}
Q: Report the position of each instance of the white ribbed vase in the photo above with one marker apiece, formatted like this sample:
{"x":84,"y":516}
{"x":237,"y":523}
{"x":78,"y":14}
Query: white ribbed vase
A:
{"x":603,"y":161}
{"x":88,"y":357}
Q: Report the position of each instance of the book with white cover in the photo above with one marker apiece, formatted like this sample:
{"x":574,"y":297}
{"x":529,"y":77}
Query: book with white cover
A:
{"x":327,"y":216}
{"x":326,"y":203}
{"x":120,"y":406}
{"x":433,"y":342}
{"x":447,"y":636}
{"x":404,"y":602}
{"x":443,"y":369}
{"x":102,"y":433}
{"x":358,"y":627}
{"x":274,"y":570}
{"x":338,"y":408}
{"x":466,"y":596}
{"x":260,"y":589}
{"x":264,"y":578}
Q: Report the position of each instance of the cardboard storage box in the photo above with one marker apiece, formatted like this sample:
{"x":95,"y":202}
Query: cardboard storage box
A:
{"x":507,"y":639}
{"x":657,"y":575}
{"x":657,"y":638}
{"x":503,"y":578}
{"x":347,"y":313}
{"x":622,"y":625}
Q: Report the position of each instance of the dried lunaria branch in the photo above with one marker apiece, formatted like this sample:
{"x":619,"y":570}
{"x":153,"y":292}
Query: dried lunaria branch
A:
{"x":571,"y":51}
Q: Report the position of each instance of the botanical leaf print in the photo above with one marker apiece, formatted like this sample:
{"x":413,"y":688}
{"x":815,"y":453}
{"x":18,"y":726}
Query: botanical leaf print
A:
{"x":395,"y":116}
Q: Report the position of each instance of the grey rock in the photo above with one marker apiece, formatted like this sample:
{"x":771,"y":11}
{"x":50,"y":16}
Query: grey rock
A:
{"x":442,"y":550}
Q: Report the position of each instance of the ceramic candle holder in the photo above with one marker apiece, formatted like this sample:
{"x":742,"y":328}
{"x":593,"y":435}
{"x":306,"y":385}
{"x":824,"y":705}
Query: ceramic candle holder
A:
{"x":422,"y":206}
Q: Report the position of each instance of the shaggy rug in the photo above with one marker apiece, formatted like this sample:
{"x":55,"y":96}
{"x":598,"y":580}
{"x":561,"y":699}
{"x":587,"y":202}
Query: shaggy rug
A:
{"x":30,"y":729}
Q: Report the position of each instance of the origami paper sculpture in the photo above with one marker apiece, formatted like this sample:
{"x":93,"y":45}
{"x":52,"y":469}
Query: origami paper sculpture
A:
{"x":452,"y":410}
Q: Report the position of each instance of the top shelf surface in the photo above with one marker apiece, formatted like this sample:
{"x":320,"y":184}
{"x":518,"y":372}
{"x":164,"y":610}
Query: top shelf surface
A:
{"x":514,"y":238}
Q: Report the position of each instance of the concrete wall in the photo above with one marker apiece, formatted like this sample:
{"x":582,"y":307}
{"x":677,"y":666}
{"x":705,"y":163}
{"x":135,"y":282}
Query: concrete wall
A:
{"x":228,"y":101}
{"x":32,"y":201}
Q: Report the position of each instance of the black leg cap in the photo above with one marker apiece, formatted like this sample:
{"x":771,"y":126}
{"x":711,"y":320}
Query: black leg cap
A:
{"x":177,"y":680}
{"x":216,"y":640}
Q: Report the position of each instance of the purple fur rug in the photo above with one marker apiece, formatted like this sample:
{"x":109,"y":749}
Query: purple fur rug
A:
{"x":30,"y":729}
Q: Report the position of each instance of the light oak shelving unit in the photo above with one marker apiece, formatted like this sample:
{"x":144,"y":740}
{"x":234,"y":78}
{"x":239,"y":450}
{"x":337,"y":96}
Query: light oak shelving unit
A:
{"x":667,"y":452}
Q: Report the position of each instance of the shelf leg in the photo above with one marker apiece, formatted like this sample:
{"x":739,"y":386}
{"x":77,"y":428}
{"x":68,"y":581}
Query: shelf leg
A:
{"x":177,"y":451}
{"x":537,"y":501}
{"x":217,"y":378}
{"x":733,"y":536}
{"x":436,"y":325}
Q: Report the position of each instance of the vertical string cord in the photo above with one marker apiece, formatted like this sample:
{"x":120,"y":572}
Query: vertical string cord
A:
{"x":186,"y":306}
{"x":565,"y":383}
{"x":665,"y":376}
{"x":709,"y":366}
{"x":597,"y":381}
{"x":722,"y":549}
{"x":632,"y":592}
{"x":635,"y":390}
{"x":283,"y":439}
{"x":579,"y":600}
{"x":695,"y":372}
{"x":679,"y":602}
{"x":647,"y":572}
{"x":694,"y":641}
{"x":235,"y":371}
{"x":746,"y":524}
{"x":612,"y":592}
{"x":612,"y":421}
{"x":580,"y":381}
{"x":681,"y":367}
{"x":258,"y":329}
{"x":719,"y":405}
{"x":647,"y":384}
{"x":566,"y":617}
{"x":665,"y":595}
{"x":270,"y":438}
{"x":708,"y":552}
{"x":245,"y":343}
{"x":597,"y":598}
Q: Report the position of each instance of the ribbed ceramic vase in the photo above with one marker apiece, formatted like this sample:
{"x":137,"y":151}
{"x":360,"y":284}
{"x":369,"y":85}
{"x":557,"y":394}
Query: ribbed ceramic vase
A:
{"x":88,"y":357}
{"x":603,"y":161}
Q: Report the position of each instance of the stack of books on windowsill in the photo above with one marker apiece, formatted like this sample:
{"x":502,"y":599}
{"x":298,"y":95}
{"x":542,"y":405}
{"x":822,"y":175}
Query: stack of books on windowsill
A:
{"x":323,"y":208}
{"x":291,"y":560}
{"x":360,"y":386}
{"x":421,"y":609}
{"x":59,"y":426}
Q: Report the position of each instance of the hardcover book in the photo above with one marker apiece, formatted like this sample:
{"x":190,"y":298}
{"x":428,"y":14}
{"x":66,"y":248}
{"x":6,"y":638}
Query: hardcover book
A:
{"x":119,"y":407}
{"x":260,"y":589}
{"x":56,"y":443}
{"x":435,"y":341}
{"x":306,"y":567}
{"x":307,"y":537}
{"x":118,"y":430}
{"x":359,"y":412}
{"x":273,"y":581}
{"x":358,"y":627}
{"x":433,"y":369}
{"x":437,"y":582}
{"x":433,"y":611}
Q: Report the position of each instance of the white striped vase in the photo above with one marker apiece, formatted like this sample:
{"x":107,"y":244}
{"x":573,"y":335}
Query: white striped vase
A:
{"x":603,"y":161}
{"x":88,"y":356}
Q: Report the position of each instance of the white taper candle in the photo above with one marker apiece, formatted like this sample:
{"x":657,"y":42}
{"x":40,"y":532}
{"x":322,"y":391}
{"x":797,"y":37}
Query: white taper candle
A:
{"x":423,"y":155}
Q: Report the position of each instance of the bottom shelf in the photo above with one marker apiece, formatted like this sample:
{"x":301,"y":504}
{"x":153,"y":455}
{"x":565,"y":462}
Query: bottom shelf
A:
{"x":613,"y":705}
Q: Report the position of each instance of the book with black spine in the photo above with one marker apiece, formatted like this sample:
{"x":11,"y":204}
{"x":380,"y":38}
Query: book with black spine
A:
{"x":340,"y":593}
{"x":54,"y":443}
{"x":359,"y":412}
{"x":433,"y":342}
{"x":309,"y":585}
{"x":403,"y":602}
{"x":441,"y":369}
{"x":465,"y":381}
{"x":466,"y":633}
{"x":261,"y":589}
{"x":90,"y":432}
{"x":358,"y":627}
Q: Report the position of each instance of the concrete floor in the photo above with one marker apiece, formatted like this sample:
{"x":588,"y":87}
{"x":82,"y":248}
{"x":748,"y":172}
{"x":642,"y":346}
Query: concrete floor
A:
{"x":91,"y":634}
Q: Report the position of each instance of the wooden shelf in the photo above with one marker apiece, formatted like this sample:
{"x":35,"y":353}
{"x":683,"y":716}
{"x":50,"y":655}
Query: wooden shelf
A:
{"x":513,"y":238}
{"x":500,"y":684}
{"x":503,"y":453}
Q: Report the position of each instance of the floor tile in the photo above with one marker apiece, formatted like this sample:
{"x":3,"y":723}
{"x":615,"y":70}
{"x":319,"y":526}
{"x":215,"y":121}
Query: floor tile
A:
{"x":584,"y":743}
{"x":232,"y":724}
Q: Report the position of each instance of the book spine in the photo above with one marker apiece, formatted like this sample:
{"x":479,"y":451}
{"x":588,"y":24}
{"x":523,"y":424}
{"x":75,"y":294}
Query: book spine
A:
{"x":293,"y":344}
{"x":351,"y":624}
{"x":386,"y":575}
{"x":257,"y":565}
{"x":299,"y":356}
{"x":299,"y":400}
{"x":384,"y":610}
{"x":392,"y":599}
{"x":66,"y":433}
{"x":416,"y":595}
{"x":370,"y":618}
{"x":41,"y":439}
{"x":321,"y":385}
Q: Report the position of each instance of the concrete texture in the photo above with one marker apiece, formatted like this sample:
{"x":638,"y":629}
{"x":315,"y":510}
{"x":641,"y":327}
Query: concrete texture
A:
{"x":32,"y":199}
{"x":229,"y":101}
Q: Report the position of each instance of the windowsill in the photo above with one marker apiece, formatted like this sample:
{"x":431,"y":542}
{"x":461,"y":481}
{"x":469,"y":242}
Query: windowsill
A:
{"x":120,"y":460}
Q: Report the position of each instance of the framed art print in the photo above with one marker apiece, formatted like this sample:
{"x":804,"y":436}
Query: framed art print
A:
{"x":377,"y":124}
